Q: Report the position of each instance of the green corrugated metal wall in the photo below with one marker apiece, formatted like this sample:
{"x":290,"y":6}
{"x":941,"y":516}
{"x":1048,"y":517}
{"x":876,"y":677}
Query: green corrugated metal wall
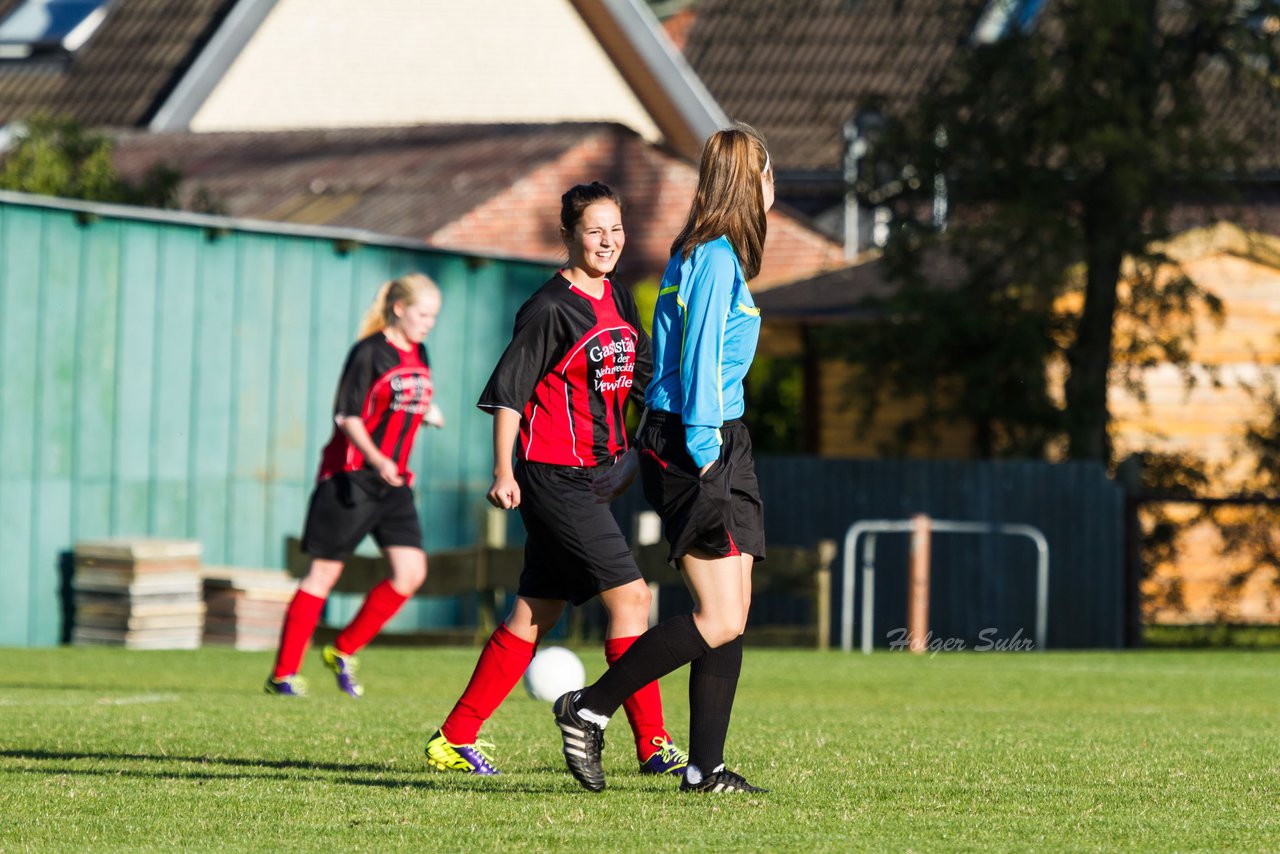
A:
{"x":172,"y":376}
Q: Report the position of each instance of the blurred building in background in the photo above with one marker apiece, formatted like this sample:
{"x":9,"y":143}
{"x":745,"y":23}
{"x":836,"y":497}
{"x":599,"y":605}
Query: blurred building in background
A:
{"x":459,"y":124}
{"x":486,"y":188}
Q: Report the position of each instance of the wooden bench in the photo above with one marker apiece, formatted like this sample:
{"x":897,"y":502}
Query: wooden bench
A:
{"x":788,"y":570}
{"x":491,"y":571}
{"x":484,"y":570}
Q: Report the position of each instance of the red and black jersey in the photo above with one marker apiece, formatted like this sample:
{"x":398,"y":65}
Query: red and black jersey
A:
{"x":572,"y":363}
{"x":390,"y":390}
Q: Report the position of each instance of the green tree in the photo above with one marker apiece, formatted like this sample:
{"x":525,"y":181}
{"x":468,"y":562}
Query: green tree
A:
{"x":57,"y":157}
{"x":1063,"y":151}
{"x":1250,"y":530}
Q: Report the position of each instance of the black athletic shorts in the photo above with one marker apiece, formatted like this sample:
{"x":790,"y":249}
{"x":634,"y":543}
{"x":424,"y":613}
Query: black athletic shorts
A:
{"x":349,"y":505}
{"x":573,"y":547}
{"x":720,"y":512}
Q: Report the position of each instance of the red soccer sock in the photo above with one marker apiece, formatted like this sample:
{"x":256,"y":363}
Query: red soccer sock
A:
{"x":503,"y":661}
{"x":299,"y":624}
{"x":643,"y":708}
{"x":379,"y":606}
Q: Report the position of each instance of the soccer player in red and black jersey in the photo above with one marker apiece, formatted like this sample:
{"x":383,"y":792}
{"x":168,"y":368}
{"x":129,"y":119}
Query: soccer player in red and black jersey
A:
{"x":558,"y":397}
{"x":364,"y":482}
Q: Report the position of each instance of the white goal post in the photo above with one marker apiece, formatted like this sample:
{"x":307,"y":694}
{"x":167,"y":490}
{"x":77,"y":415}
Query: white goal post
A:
{"x":870,"y":528}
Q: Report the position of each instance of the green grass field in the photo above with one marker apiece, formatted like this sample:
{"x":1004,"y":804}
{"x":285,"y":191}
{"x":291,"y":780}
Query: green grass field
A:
{"x":110,"y":750}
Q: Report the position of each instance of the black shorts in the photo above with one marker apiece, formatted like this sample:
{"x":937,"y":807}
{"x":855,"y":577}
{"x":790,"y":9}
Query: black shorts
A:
{"x":573,"y":547}
{"x":720,"y":512}
{"x":349,"y":505}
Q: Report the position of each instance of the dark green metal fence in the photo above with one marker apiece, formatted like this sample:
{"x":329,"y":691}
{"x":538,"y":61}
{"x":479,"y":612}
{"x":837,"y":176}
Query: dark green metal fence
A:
{"x":172,"y":375}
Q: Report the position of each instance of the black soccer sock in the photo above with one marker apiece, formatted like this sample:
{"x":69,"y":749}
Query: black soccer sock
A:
{"x":664,"y":648}
{"x":713,"y":681}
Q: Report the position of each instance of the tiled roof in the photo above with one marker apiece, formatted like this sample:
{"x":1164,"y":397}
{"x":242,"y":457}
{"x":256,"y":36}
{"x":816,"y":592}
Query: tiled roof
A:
{"x":119,"y":77}
{"x":493,"y":188}
{"x":1245,"y":114}
{"x":841,"y":294}
{"x":833,"y":296}
{"x":401,"y":181}
{"x":798,"y":69}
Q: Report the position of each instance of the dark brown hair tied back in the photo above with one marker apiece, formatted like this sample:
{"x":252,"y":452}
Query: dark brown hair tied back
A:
{"x":580,"y":197}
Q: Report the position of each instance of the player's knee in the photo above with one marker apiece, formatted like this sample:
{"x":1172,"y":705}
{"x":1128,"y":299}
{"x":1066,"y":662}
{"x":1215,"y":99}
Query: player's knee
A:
{"x":543,"y":625}
{"x":321,"y":577}
{"x":720,"y":629}
{"x":718,"y":636}
{"x":628,"y":601}
{"x":409,"y":579}
{"x":641,"y":598}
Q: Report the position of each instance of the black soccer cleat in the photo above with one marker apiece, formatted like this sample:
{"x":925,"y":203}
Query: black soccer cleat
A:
{"x":583,"y":743}
{"x":723,"y":780}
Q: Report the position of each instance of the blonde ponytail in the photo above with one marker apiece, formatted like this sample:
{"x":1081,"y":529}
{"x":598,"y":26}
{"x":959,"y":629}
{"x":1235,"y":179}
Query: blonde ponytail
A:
{"x":408,"y":289}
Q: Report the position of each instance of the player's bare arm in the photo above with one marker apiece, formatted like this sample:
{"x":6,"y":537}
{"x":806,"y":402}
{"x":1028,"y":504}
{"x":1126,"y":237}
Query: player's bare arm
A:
{"x":386,"y":467}
{"x":505,"y":492}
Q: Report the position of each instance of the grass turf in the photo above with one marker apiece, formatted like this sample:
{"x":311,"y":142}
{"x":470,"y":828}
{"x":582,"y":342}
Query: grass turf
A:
{"x":104,"y":749}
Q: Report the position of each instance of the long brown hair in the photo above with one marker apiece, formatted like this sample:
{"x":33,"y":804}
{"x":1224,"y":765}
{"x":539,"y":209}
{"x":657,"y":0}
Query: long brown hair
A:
{"x":408,"y":289}
{"x":729,"y":201}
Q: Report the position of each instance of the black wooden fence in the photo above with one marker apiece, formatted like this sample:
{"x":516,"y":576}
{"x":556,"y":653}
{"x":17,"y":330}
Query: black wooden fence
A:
{"x":983,"y":587}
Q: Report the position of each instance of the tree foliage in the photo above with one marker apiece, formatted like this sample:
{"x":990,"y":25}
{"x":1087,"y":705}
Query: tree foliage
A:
{"x":57,"y":157}
{"x":1251,"y":532}
{"x":1063,"y":151}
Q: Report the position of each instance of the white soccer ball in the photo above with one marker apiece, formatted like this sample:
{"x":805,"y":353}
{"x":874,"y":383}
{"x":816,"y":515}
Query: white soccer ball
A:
{"x":554,"y":671}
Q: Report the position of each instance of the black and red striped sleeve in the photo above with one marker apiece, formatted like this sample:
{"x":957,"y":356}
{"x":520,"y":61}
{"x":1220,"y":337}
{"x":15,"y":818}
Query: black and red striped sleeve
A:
{"x":535,"y":348}
{"x":358,"y":375}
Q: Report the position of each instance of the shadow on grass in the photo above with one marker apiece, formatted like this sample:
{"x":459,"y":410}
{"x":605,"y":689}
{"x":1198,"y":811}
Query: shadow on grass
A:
{"x":72,"y":686}
{"x":443,"y":783}
{"x":274,"y":764}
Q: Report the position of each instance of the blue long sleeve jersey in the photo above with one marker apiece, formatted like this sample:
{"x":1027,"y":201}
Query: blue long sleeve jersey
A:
{"x":705,"y":328}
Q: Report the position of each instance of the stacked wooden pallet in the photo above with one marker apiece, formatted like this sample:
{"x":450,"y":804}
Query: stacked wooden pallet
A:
{"x":138,"y":593}
{"x":246,"y":606}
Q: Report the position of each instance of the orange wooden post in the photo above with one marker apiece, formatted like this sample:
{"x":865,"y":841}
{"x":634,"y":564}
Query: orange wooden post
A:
{"x":918,"y":585}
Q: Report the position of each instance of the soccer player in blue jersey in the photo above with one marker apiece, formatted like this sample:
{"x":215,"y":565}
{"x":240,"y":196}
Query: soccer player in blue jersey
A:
{"x":696,"y":467}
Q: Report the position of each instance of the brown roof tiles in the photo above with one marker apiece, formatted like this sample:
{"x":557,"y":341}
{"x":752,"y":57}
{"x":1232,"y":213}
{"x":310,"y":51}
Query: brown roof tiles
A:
{"x":402,"y":181}
{"x":798,"y":69}
{"x":466,"y":187}
{"x":122,"y":74}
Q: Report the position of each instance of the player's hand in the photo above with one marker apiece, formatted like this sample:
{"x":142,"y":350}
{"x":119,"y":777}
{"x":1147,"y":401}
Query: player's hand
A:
{"x":390,"y":472}
{"x":434,"y":417}
{"x":617,"y":479}
{"x":505,"y":492}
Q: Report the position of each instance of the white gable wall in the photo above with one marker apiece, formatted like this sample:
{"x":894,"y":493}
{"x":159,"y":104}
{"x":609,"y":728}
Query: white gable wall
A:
{"x":366,"y":63}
